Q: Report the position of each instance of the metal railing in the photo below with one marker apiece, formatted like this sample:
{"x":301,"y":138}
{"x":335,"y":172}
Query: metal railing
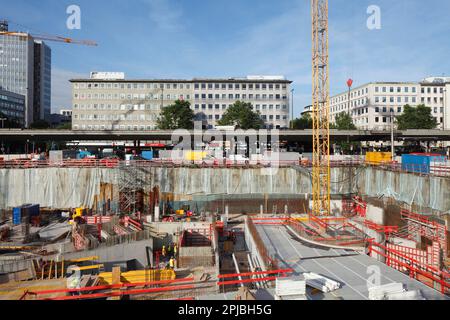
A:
{"x":425,"y":170}
{"x":270,"y":262}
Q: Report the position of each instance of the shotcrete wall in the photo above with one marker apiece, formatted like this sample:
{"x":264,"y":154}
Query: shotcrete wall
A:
{"x":424,"y":191}
{"x":73,"y":187}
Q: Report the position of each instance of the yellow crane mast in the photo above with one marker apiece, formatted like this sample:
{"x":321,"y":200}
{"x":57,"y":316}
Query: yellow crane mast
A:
{"x":320,"y":109}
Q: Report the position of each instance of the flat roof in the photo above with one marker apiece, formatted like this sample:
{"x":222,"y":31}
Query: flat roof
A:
{"x":194,"y":80}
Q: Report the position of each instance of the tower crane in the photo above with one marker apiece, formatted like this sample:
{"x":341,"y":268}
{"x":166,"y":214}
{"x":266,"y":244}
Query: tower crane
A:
{"x":320,"y":109}
{"x":4,"y":31}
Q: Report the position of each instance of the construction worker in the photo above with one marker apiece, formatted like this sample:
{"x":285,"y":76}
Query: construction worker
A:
{"x":172,"y":263}
{"x":169,"y":249}
{"x":175,"y":249}
{"x":163,"y":251}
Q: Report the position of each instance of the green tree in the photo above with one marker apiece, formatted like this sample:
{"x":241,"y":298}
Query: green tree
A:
{"x":64,"y":126}
{"x":176,"y":116}
{"x":416,"y":118}
{"x":241,"y":115}
{"x":302,"y":123}
{"x":40,"y":124}
{"x":344,"y":122}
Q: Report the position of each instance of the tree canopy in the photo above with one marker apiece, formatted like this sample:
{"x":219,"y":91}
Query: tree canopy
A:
{"x":40,"y":124}
{"x":419,"y":117}
{"x":176,"y":116}
{"x":343,"y":122}
{"x":241,"y":115}
{"x":302,"y":123}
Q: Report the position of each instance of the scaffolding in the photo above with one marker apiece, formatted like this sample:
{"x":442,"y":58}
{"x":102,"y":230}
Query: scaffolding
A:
{"x":131,"y":182}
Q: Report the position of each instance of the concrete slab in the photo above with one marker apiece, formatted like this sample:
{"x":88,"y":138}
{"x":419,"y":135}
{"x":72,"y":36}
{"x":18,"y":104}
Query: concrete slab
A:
{"x":347,"y":267}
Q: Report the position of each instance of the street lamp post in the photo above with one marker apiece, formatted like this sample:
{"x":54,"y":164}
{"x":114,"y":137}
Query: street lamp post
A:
{"x":392,"y":135}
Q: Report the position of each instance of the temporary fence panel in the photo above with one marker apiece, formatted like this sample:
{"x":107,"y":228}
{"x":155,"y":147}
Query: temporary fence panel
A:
{"x":416,"y":163}
{"x":378,"y":157}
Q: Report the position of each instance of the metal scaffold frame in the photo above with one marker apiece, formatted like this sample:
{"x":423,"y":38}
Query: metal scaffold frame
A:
{"x":321,"y":109}
{"x":130,"y":181}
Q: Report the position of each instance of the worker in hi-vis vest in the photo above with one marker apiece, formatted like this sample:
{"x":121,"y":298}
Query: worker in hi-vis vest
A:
{"x":172,"y":263}
{"x":175,"y":249}
{"x":163,"y":252}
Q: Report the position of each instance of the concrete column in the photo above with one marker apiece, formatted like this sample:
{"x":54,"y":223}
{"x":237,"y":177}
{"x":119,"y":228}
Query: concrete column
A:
{"x":156,"y":213}
{"x":227,"y":214}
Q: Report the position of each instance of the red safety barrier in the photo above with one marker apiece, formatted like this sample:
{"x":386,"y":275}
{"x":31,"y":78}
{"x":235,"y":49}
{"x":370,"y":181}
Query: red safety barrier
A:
{"x":380,"y":228}
{"x":429,"y":272}
{"x":123,"y":293}
{"x":281,"y":274}
{"x":224,"y":283}
{"x":113,"y":286}
{"x":97,"y":220}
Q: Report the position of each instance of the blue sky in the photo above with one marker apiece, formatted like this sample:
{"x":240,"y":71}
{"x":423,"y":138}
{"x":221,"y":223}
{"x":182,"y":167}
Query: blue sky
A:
{"x":226,"y":38}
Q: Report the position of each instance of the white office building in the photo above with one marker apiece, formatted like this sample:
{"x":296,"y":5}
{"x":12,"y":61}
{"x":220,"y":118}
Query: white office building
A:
{"x":373,"y":105}
{"x":108,"y":101}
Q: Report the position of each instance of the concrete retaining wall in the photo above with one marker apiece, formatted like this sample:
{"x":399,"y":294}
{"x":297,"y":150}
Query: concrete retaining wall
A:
{"x":74,"y":187}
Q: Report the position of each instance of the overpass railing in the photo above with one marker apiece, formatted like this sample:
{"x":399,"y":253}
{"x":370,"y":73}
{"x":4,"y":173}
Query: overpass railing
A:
{"x":114,"y":163}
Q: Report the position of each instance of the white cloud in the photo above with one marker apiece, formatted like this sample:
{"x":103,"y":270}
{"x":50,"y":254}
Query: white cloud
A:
{"x":62,"y":89}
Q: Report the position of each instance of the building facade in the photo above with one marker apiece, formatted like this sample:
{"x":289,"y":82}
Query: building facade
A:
{"x":25,"y":69}
{"x":12,"y":105}
{"x":373,"y":106}
{"x":110,"y":102}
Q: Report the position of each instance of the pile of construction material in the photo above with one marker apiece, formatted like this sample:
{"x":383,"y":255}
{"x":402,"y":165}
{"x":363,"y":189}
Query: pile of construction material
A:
{"x":393,"y":291}
{"x":290,"y":289}
{"x":321,"y":283}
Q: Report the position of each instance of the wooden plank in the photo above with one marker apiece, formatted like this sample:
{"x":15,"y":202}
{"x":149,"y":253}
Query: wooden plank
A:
{"x":96,"y":266}
{"x":93,"y":258}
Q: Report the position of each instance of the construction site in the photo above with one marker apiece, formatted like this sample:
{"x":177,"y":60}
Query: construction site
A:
{"x":319,"y":227}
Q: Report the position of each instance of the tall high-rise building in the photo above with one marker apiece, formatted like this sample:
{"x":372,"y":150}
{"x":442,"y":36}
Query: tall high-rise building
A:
{"x":25,"y":68}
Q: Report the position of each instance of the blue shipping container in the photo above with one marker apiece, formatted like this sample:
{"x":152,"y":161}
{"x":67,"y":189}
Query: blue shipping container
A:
{"x":147,"y":155}
{"x":416,"y":163}
{"x":17,"y":216}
